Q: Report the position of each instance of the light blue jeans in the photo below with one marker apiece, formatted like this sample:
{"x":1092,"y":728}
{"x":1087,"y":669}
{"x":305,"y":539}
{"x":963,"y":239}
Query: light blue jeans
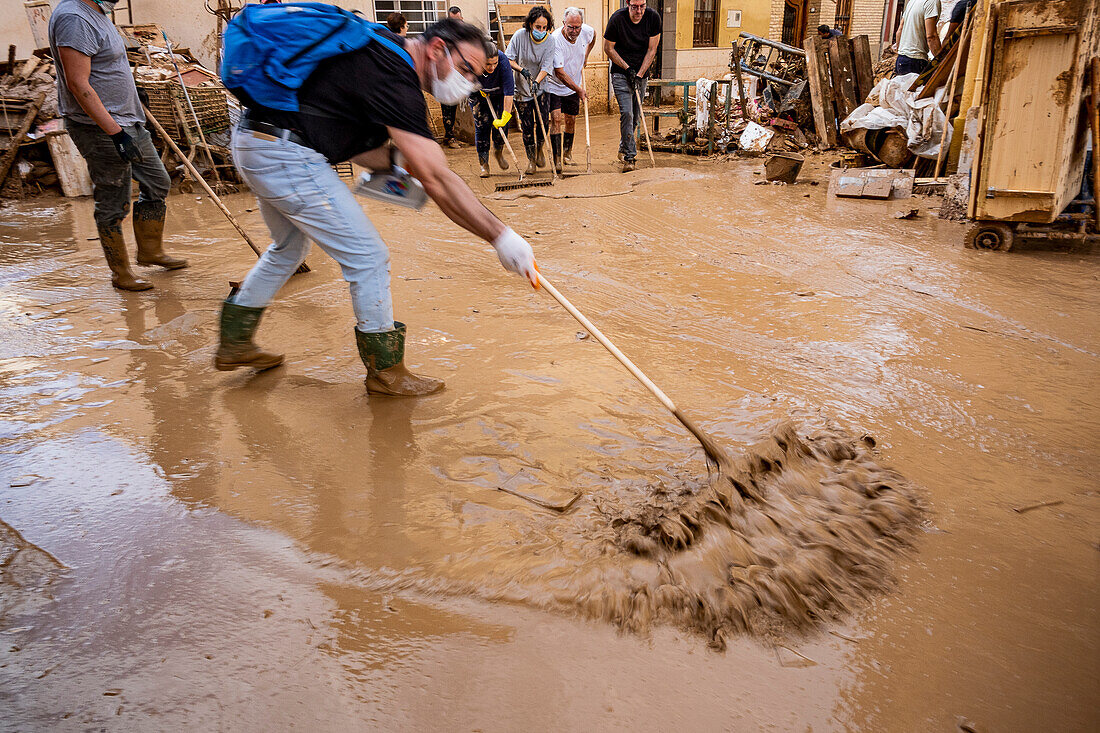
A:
{"x":302,"y":198}
{"x":629,"y":113}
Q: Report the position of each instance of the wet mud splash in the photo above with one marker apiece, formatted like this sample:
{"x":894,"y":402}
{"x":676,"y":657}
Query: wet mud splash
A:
{"x":797,"y":531}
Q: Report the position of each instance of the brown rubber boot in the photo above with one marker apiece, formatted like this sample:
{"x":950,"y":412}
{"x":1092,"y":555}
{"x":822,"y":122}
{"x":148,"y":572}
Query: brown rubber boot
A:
{"x":499,"y":155}
{"x":236,"y":349}
{"x":149,"y":233}
{"x":114,"y":249}
{"x":628,"y":165}
{"x":530,"y":161}
{"x":484,"y":163}
{"x":540,"y":157}
{"x":384,"y":356}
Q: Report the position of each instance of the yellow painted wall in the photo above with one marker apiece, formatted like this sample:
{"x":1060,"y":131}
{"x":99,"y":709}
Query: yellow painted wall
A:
{"x":755,"y":15}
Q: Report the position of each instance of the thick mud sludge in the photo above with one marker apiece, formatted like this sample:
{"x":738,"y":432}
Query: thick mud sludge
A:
{"x":797,"y":531}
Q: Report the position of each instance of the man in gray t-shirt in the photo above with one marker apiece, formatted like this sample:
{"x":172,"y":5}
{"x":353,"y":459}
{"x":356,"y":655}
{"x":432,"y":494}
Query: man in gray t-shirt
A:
{"x":103,"y":115}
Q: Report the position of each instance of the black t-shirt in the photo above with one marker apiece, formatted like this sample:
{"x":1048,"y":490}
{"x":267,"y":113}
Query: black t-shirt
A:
{"x":347,"y":103}
{"x":632,"y":39}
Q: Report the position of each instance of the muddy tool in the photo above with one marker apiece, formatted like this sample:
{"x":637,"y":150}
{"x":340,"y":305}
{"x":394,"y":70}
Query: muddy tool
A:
{"x":206,"y":186}
{"x":557,"y":506}
{"x":521,"y":183}
{"x":645,"y":127}
{"x":714,"y":453}
{"x":587,"y":137}
{"x":219,"y":185}
{"x":507,"y":144}
{"x":545,"y":137}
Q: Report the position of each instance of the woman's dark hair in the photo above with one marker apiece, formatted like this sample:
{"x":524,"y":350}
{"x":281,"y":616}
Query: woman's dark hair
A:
{"x":454,"y":32}
{"x":538,"y":12}
{"x":395,"y":22}
{"x":824,"y":29}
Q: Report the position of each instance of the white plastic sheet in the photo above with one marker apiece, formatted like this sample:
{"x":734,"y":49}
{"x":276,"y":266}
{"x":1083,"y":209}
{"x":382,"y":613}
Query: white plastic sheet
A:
{"x":890,"y":105}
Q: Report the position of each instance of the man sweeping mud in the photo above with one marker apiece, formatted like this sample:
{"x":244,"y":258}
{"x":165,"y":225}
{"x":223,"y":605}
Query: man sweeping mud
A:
{"x":366,"y":105}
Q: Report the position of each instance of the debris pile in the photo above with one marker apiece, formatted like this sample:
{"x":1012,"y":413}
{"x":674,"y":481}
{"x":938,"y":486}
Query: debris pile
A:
{"x":28,"y":112}
{"x":187,"y":99}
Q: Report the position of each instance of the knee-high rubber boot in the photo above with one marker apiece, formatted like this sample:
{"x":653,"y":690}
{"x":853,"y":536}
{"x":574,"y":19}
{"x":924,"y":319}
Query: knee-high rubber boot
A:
{"x":567,"y":148}
{"x":555,"y":150}
{"x":483,"y":161}
{"x":383,"y":355}
{"x":236,"y":349}
{"x":531,"y":158}
{"x":149,"y":233}
{"x":114,"y":250}
{"x":498,"y":153}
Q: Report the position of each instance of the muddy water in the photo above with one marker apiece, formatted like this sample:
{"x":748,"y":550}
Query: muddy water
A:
{"x":246,"y":549}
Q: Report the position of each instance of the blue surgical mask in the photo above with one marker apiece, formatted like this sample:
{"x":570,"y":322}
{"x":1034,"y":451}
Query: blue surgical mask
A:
{"x":539,"y":35}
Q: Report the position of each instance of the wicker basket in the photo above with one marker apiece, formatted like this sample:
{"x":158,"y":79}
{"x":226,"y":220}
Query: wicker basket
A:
{"x":210,"y":104}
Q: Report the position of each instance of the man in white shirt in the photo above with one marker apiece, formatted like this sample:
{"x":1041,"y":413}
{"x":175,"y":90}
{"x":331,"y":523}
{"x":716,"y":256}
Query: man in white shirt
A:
{"x":574,"y":41}
{"x":918,"y":36}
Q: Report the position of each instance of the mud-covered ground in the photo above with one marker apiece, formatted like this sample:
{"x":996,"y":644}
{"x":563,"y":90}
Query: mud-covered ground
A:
{"x":183,"y":547}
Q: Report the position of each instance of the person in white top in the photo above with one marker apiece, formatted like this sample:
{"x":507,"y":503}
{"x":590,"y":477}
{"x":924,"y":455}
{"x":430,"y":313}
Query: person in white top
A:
{"x":918,"y":36}
{"x":574,"y":41}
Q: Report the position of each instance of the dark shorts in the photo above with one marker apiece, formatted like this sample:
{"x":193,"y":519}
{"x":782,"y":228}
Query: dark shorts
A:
{"x":909,"y":65}
{"x":569,"y":105}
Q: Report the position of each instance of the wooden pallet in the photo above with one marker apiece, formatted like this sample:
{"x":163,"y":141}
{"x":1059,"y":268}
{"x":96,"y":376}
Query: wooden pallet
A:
{"x":841,"y":76}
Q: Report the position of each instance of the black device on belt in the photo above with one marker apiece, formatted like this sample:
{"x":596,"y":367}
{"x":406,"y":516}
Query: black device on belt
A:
{"x":268,"y":129}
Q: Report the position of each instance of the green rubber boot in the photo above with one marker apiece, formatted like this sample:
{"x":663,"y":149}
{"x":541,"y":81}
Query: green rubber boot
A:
{"x":384,"y":356}
{"x":238,"y":324}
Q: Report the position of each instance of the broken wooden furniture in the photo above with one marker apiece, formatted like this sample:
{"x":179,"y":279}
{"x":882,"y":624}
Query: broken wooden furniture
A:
{"x":1031,"y":134}
{"x":25,"y":110}
{"x":840,"y":75}
{"x":657,"y":87}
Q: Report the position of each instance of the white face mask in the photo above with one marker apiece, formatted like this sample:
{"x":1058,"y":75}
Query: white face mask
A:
{"x":454,"y":88}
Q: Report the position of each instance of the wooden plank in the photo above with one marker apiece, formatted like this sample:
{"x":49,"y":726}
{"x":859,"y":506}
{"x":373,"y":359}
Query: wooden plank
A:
{"x":864,"y":69}
{"x":1034,"y":111}
{"x":72,"y":169}
{"x":821,"y":95}
{"x":29,"y":67}
{"x":940,"y":74}
{"x":981,"y":99}
{"x":844,"y":83}
{"x":38,"y":17}
{"x":9,"y":155}
{"x":518,"y":10}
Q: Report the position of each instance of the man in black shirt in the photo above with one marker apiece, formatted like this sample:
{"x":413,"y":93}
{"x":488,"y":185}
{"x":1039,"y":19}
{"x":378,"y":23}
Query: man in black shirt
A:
{"x":367,"y":106}
{"x":630,"y":41}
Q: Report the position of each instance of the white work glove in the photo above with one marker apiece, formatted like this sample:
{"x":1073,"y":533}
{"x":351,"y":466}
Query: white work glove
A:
{"x":517,"y":256}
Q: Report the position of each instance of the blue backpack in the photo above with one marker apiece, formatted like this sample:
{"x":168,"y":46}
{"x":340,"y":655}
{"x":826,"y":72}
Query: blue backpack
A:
{"x":270,"y":50}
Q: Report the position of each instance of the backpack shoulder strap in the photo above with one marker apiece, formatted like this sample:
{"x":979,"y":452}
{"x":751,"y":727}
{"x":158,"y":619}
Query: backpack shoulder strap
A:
{"x":396,"y":48}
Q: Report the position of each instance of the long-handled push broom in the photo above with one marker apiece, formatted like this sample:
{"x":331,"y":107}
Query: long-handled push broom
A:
{"x":715,"y":455}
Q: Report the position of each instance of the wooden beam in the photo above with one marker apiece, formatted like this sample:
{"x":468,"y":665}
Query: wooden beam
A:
{"x":864,"y":69}
{"x":844,"y":82}
{"x":821,"y":94}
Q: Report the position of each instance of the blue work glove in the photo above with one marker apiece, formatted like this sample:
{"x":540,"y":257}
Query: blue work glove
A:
{"x":126,"y":147}
{"x":525,"y":74}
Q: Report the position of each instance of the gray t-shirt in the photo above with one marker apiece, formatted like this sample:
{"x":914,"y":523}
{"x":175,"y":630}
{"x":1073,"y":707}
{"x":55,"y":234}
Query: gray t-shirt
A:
{"x":534,"y":57}
{"x":87,"y":30}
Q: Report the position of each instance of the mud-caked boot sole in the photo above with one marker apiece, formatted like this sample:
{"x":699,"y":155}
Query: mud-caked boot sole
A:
{"x":167,"y":262}
{"x":258,"y":360}
{"x":398,"y":381}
